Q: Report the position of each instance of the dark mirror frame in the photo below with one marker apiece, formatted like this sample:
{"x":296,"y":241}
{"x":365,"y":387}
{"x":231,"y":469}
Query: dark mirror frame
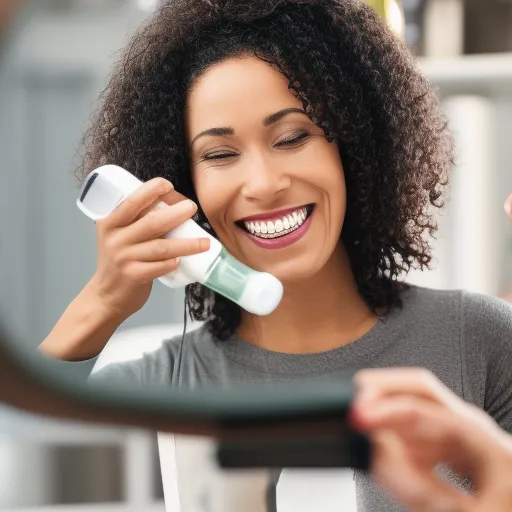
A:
{"x":305,"y":425}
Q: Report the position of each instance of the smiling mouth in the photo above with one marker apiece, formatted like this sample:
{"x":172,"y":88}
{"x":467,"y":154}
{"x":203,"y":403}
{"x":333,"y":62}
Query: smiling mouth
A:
{"x":278,"y":227}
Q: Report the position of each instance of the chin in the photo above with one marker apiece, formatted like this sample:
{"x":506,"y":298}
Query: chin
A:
{"x":292,"y":272}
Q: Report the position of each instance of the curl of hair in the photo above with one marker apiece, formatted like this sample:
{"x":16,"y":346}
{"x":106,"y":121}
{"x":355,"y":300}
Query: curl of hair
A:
{"x":355,"y":79}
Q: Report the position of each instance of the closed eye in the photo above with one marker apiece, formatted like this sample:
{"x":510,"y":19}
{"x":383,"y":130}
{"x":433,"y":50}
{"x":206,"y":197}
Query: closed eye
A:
{"x":293,"y":140}
{"x":222,"y":155}
{"x":219,"y":155}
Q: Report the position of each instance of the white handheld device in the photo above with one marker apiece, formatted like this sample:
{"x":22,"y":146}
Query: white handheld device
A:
{"x":257,"y":292}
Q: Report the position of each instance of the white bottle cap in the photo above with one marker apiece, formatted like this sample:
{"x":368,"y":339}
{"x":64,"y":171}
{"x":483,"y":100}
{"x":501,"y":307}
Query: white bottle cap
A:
{"x":263,"y":293}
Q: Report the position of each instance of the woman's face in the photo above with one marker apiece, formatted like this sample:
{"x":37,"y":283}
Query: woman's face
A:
{"x":270,"y":184}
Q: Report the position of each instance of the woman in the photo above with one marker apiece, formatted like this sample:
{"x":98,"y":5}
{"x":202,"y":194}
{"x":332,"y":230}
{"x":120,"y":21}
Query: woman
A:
{"x":314,"y":149}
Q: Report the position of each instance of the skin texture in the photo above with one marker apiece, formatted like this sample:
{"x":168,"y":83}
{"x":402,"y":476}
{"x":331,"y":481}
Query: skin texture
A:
{"x":258,"y":170}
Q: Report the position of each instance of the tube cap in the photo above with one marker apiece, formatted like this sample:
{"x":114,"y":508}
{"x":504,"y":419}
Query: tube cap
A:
{"x":262,"y":294}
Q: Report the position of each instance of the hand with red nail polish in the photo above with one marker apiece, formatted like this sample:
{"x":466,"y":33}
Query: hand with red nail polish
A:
{"x":415,"y":423}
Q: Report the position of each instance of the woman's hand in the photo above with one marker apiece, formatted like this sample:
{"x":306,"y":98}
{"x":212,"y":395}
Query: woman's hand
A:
{"x":131,"y":252}
{"x":415,"y":422}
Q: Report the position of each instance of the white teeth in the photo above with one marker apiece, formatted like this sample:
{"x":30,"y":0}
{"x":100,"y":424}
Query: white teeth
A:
{"x":279,"y":227}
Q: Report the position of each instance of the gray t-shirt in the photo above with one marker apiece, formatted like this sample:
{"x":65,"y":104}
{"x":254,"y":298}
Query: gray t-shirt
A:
{"x":464,"y":339}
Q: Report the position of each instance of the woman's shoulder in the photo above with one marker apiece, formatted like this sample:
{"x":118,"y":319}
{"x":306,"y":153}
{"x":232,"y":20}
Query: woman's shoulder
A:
{"x":469,"y":302}
{"x":472,"y":307}
{"x":414,"y":296}
{"x":482,"y":323}
{"x":156,"y":366}
{"x":195,"y":337}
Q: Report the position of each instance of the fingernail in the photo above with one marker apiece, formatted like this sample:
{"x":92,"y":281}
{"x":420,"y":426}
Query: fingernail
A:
{"x":163,"y":187}
{"x":354,"y":419}
{"x":205,"y":244}
{"x":188,"y":205}
{"x":178,"y":259}
{"x":365,"y":398}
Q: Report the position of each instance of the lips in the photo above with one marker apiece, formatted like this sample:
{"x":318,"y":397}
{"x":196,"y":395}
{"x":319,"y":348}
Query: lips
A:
{"x":278,"y":229}
{"x":272,"y":215}
{"x":276,"y":224}
{"x":283,"y":239}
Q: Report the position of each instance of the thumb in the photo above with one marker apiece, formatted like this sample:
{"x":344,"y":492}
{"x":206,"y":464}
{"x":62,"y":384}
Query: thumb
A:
{"x":418,"y":489}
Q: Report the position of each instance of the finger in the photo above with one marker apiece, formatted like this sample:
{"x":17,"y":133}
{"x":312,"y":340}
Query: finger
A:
{"x":419,"y":491}
{"x":165,"y":249}
{"x":508,"y":206}
{"x":145,"y":272}
{"x":145,"y":196}
{"x":461,"y":437}
{"x":159,"y":222}
{"x":378,"y":383}
{"x":173,"y":197}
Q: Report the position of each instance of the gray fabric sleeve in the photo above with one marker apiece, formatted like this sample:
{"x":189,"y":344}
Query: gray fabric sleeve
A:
{"x":153,"y":369}
{"x":77,"y":371}
{"x":119,"y":373}
{"x":486,"y":338}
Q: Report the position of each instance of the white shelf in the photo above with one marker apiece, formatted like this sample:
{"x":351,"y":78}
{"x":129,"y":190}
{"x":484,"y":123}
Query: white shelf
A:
{"x":97,"y":507}
{"x":23,"y":427}
{"x":475,"y":72}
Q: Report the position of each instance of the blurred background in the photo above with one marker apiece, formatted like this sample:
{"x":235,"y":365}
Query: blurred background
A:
{"x":54,"y":59}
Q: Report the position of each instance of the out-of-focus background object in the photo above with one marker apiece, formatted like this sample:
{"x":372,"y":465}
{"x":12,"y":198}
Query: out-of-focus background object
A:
{"x":392,"y":12}
{"x":54,"y":59}
{"x":6,"y":11}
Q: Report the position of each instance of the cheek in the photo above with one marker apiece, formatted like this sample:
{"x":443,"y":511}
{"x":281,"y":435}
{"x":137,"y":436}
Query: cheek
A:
{"x":213,"y":195}
{"x":338,"y":198}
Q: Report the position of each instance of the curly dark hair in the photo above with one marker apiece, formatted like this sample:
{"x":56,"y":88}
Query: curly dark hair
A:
{"x":356,"y":80}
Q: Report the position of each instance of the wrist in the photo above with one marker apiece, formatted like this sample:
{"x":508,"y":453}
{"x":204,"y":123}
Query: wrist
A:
{"x":105,"y":308}
{"x":84,"y":329}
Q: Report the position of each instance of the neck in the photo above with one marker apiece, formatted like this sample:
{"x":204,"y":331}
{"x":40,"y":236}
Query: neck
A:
{"x":315,"y":315}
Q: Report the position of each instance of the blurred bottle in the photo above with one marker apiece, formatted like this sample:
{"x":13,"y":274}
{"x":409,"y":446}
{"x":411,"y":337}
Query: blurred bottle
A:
{"x":414,"y":18}
{"x":488,"y":26}
{"x":434,"y":28}
{"x":392,"y":12}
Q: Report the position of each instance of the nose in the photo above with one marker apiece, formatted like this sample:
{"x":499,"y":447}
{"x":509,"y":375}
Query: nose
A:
{"x":265,"y":181}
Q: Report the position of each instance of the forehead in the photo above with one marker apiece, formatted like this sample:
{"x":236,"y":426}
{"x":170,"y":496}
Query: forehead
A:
{"x":242,"y":89}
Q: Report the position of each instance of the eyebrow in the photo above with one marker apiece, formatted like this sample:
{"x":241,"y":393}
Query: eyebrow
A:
{"x":268,"y":121}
